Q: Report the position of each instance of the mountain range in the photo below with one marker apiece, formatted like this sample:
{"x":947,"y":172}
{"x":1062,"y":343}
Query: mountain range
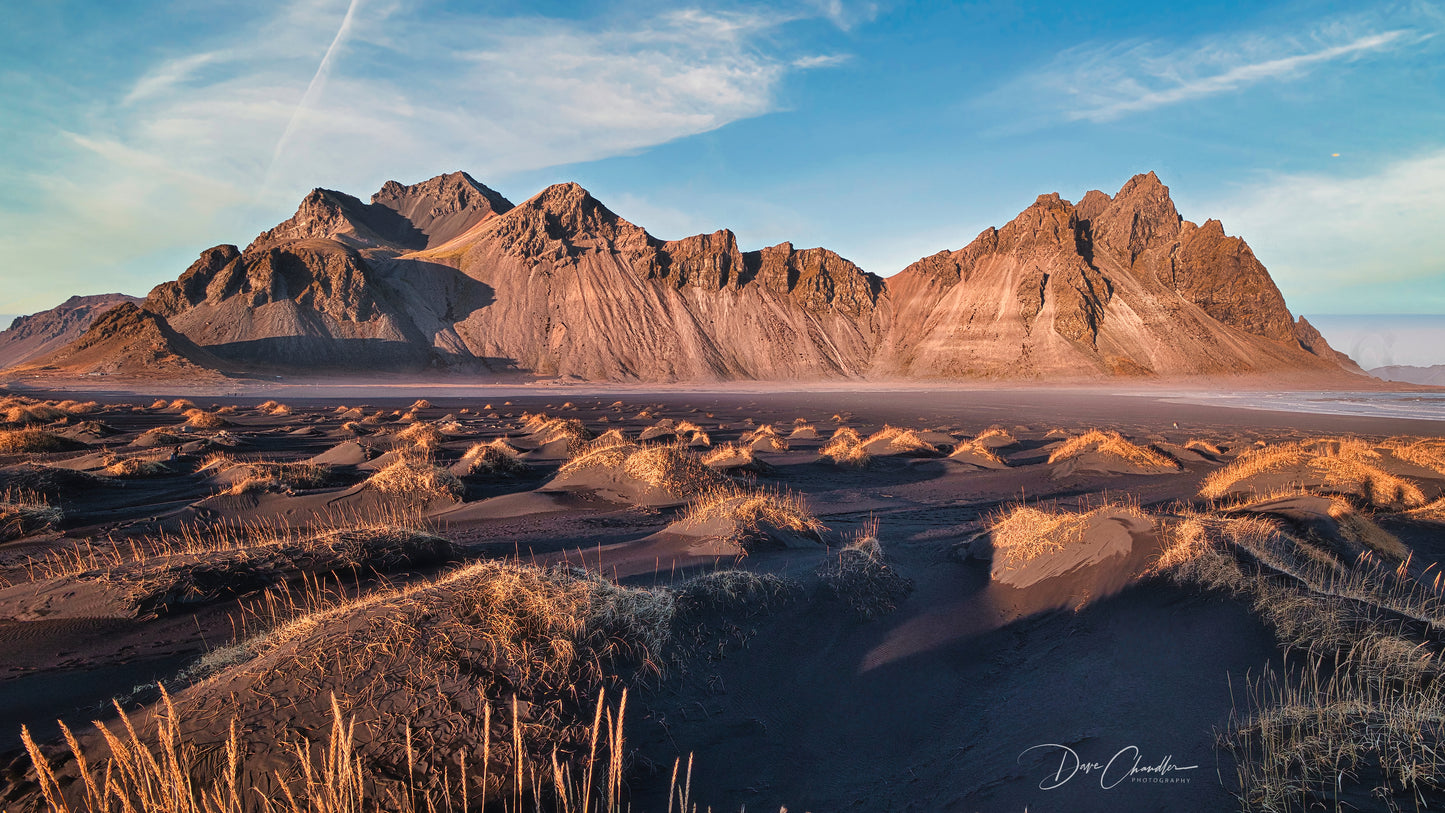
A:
{"x":448,"y":275}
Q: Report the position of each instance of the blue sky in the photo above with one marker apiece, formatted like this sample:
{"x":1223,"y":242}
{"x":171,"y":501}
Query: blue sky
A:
{"x":138,"y":134}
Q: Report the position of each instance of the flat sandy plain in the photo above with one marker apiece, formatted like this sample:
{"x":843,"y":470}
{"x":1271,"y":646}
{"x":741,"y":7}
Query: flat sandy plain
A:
{"x":912,"y":667}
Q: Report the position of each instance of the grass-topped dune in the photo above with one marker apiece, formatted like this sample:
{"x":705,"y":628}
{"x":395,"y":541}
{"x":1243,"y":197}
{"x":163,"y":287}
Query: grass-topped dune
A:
{"x":1108,"y":452}
{"x":1360,"y":720}
{"x":23,"y":513}
{"x":729,"y":519}
{"x":1379,"y":476}
{"x":847,"y":447}
{"x":637,"y":474}
{"x":165,"y":575}
{"x":499,"y":665}
{"x":1031,"y":545}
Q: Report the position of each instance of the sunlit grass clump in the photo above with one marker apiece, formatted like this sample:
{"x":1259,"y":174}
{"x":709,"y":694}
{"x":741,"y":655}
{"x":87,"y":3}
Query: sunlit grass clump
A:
{"x":417,"y":477}
{"x":1345,"y":465}
{"x":1025,"y":533}
{"x":1112,"y":444}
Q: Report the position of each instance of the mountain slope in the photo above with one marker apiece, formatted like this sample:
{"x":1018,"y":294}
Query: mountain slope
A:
{"x":449,"y":275}
{"x":131,"y":342}
{"x":37,"y":334}
{"x":1114,"y":286}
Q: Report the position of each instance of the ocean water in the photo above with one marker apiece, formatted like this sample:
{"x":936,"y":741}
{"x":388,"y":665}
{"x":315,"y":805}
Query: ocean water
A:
{"x":1424,"y":406}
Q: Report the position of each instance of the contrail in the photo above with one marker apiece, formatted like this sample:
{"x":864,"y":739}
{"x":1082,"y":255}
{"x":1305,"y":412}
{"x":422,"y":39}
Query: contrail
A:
{"x":318,"y":82}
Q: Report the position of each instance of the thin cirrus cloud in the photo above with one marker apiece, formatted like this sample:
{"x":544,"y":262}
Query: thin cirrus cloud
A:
{"x":1355,"y":244}
{"x":215,"y":141}
{"x":1101,"y":83}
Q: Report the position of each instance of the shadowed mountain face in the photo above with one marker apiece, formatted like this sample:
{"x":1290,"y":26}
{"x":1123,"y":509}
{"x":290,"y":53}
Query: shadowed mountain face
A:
{"x":37,"y":334}
{"x":447,"y":274}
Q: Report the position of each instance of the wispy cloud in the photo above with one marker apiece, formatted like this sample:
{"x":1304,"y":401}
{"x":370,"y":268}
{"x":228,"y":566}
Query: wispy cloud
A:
{"x":1354,"y":243}
{"x":821,"y":61}
{"x":216,"y":141}
{"x":1104,"y":82}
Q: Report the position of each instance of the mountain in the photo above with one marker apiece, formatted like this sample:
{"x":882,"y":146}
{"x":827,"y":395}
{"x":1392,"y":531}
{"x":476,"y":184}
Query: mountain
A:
{"x":1434,"y":375}
{"x":449,"y":275}
{"x":1113,"y":286}
{"x":131,"y":342}
{"x":40,"y":333}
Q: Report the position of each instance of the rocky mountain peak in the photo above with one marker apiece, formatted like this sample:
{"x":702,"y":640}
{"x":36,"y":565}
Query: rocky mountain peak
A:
{"x":1092,"y":205}
{"x":559,"y":222}
{"x":443,"y":207}
{"x":1141,"y":217}
{"x":39,"y":333}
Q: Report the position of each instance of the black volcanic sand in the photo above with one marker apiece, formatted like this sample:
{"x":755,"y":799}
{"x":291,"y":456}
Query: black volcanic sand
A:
{"x":933,"y":706}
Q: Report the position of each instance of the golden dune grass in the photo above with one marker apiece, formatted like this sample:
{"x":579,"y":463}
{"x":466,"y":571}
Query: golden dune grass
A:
{"x":22,"y":441}
{"x":1025,"y":533}
{"x":135,"y":467}
{"x":668,"y":467}
{"x":494,"y":457}
{"x":845,"y":448}
{"x":424,"y":436}
{"x":998,"y":434}
{"x":1344,"y":463}
{"x":1427,"y":453}
{"x":860,"y":576}
{"x":753,"y":512}
{"x":544,"y":430}
{"x":201,"y":419}
{"x":729,"y":452}
{"x":24,"y":512}
{"x":417,"y":476}
{"x":1207,"y":447}
{"x":900,"y":440}
{"x":975,"y":448}
{"x":1369,"y":705}
{"x":1114,"y":445}
{"x":269,"y":476}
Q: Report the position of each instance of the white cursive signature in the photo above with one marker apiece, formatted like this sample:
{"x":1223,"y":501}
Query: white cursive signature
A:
{"x":1121,"y":766}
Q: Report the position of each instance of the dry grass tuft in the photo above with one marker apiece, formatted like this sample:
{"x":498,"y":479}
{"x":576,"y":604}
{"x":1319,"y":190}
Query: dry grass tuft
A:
{"x":31,"y":413}
{"x":612,"y":437}
{"x":23,"y":513}
{"x":860,"y":576}
{"x":996,"y":437}
{"x":1025,"y":533}
{"x":754,"y":516}
{"x":34,"y":441}
{"x":729,"y":455}
{"x":900,"y":440}
{"x":131,"y":468}
{"x":544,"y":430}
{"x":420,"y":403}
{"x":1428,"y":453}
{"x":417,"y":477}
{"x":200,"y":419}
{"x":1115,"y":445}
{"x":1365,"y":714}
{"x":1212,"y":449}
{"x":845,"y":448}
{"x":423,"y":436}
{"x":670,"y":468}
{"x":976,"y":449}
{"x":266,"y":476}
{"x":495,"y":458}
{"x":530,"y":745}
{"x":1345,"y":464}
